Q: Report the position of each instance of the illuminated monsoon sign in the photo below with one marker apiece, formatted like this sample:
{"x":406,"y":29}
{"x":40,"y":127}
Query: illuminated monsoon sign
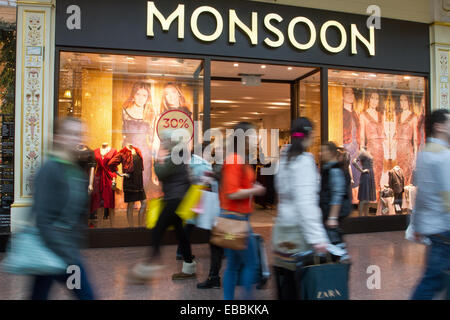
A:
{"x":250,"y":29}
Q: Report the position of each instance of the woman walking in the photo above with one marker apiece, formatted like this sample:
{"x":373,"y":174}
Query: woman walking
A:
{"x":298,"y":226}
{"x":237,"y":189}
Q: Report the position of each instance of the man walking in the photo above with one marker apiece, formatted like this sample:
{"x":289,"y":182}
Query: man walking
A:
{"x":431,"y":216}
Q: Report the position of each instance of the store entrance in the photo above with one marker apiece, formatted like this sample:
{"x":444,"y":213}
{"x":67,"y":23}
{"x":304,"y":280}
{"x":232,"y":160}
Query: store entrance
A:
{"x":266,"y":96}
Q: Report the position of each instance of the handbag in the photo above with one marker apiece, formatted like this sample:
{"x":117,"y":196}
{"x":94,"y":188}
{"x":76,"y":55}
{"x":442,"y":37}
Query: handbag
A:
{"x":230,"y":233}
{"x":27,"y":254}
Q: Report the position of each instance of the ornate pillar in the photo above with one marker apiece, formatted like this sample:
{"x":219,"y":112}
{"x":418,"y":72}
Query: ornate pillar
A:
{"x":34,"y":98}
{"x":440,"y":55}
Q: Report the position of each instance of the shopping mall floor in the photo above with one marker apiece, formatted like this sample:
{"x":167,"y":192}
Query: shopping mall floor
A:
{"x":399,"y":260}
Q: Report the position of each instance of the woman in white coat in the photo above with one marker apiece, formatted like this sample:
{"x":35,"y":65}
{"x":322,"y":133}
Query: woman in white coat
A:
{"x":298,"y":226}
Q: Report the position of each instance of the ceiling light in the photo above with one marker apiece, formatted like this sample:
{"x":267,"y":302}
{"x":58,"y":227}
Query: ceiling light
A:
{"x":407,"y":77}
{"x":129,"y":58}
{"x":221,"y":101}
{"x":373,"y":75}
{"x":289,"y":68}
{"x":248,"y":98}
{"x":263,"y":67}
{"x":280,"y":103}
{"x":67,"y":94}
{"x":236,"y":65}
{"x":355,"y":74}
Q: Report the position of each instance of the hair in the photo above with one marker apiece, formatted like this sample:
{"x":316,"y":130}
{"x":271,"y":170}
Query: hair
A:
{"x":346,"y":159}
{"x":332,"y":147}
{"x":437,"y":116}
{"x":398,"y":108}
{"x":60,"y":124}
{"x":244,"y":126}
{"x":299,"y":125}
{"x":149,"y":113}
{"x":183,"y":103}
{"x":60,"y":127}
{"x":380,"y":108}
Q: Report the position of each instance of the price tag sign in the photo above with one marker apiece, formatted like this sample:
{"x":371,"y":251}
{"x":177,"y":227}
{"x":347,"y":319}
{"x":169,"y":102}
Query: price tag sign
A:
{"x":175,"y":119}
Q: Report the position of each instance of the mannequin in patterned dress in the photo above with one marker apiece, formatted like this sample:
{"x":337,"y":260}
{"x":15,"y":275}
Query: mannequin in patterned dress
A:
{"x":406,"y":137}
{"x":372,"y":134}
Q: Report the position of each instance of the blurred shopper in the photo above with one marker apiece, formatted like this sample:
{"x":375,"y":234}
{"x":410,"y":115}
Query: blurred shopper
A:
{"x":236,"y":191}
{"x":298,"y":226}
{"x":216,"y":253}
{"x":175,"y":183}
{"x":60,"y":205}
{"x":431,"y":215}
{"x":335,"y":192}
{"x":198,"y":168}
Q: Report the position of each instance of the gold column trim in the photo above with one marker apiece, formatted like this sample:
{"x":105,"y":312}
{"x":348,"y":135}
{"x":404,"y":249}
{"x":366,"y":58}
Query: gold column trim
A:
{"x":439,"y":23}
{"x":21,"y":205}
{"x":37,"y":3}
{"x":440,"y":44}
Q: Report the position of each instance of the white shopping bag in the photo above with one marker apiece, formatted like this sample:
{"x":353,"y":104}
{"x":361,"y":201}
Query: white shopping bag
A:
{"x":210,"y":210}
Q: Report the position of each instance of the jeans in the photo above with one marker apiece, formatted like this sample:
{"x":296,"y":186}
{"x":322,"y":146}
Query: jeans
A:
{"x":169,"y":217}
{"x":438,"y":261}
{"x":42,"y":285}
{"x":243,"y":265}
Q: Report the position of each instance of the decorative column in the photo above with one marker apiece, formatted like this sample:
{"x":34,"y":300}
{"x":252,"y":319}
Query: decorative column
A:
{"x":34,"y":99}
{"x":440,"y":55}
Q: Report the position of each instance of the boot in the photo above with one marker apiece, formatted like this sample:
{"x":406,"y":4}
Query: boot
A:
{"x":210,"y":283}
{"x":187,"y":272}
{"x":142,"y":272}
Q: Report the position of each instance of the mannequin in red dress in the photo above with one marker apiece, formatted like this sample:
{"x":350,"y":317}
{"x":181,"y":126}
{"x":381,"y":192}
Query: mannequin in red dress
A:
{"x":104,"y":183}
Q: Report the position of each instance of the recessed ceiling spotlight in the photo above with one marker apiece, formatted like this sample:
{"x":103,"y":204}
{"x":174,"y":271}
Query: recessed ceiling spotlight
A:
{"x":129,"y":58}
{"x":263,"y":66}
{"x":221,"y":101}
{"x":407,"y":77}
{"x":289,"y":68}
{"x":236,"y":65}
{"x":280,"y":103}
{"x":355,"y":74}
{"x":373,"y":75}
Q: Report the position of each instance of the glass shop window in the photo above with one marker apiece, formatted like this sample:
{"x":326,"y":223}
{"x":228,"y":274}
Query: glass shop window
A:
{"x":122,"y":98}
{"x":381,"y":117}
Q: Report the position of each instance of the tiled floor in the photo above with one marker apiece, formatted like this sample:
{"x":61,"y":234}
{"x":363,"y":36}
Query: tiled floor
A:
{"x":400,"y":262}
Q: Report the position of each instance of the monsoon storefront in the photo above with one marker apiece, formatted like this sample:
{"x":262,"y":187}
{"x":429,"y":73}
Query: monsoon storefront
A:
{"x":121,"y":65}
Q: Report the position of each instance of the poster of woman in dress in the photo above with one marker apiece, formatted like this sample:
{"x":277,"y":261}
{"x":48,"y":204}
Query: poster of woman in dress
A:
{"x":389,"y":123}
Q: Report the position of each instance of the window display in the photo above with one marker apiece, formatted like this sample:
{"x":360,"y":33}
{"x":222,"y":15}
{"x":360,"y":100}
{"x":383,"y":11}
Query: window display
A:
{"x":381,"y":115}
{"x":120,"y":98}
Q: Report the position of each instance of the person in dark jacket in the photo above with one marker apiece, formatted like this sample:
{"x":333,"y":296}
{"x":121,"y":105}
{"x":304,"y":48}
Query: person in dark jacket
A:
{"x":335,"y":192}
{"x":60,"y":205}
{"x":175,"y":183}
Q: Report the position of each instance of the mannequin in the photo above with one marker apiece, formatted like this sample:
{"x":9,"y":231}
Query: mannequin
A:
{"x":397,"y":184}
{"x":85,"y":159}
{"x":133,"y":186}
{"x":366,"y":192}
{"x":105,"y":183}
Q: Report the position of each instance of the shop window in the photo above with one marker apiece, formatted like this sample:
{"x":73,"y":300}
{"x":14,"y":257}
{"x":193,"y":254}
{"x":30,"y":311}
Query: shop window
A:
{"x":384,"y":113}
{"x":310,"y":107}
{"x":121,"y":99}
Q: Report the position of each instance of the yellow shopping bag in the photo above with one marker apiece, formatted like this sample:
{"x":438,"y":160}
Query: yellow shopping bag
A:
{"x":189,"y":202}
{"x":154,"y":209}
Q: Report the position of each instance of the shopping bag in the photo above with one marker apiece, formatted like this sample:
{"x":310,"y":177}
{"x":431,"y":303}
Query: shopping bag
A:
{"x":327,"y":281}
{"x":210,"y":210}
{"x":154,"y":209}
{"x":190,"y":200}
{"x":27,"y":254}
